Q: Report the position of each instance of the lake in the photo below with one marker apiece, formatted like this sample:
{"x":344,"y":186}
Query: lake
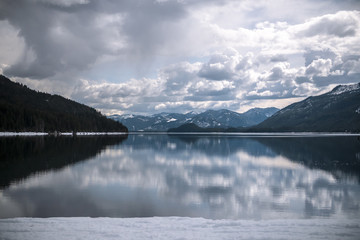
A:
{"x":211,"y":176}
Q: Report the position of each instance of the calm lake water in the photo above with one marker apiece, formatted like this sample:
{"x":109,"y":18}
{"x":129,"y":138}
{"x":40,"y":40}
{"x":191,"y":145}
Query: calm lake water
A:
{"x":211,"y":176}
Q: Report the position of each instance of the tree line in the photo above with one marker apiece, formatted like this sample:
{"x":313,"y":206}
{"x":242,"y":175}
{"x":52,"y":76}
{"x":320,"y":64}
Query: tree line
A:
{"x":23,"y":109}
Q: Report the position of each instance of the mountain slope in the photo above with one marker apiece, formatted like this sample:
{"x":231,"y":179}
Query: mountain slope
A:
{"x":157,"y":122}
{"x":209,"y":119}
{"x":335,"y":111}
{"x":257,"y":115}
{"x":219,"y":118}
{"x":23,"y":109}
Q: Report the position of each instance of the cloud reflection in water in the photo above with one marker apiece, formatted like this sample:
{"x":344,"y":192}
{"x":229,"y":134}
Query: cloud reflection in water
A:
{"x":211,"y":176}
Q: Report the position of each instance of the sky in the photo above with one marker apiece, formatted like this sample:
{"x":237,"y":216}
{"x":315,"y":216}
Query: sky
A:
{"x":151,"y":56}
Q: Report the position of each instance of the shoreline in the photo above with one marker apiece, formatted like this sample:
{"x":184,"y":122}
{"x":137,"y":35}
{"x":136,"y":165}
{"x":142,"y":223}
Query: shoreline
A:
{"x":34,"y":134}
{"x":254,"y":134}
{"x":240,"y":134}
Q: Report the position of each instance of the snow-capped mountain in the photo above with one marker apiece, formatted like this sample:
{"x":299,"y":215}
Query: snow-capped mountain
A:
{"x":344,"y":89}
{"x":211,"y":118}
{"x":220,"y":118}
{"x":335,"y":111}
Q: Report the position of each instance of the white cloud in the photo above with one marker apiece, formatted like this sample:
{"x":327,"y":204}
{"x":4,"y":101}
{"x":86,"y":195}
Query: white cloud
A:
{"x":305,"y":89}
{"x":146,"y":56}
{"x":342,"y":24}
{"x":319,"y":67}
{"x":221,"y":66}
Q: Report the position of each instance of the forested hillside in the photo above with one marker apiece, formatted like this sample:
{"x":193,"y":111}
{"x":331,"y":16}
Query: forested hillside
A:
{"x":23,"y":109}
{"x":335,"y":111}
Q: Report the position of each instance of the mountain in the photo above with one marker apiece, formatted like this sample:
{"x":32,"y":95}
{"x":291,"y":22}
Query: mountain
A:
{"x":335,"y":111}
{"x":23,"y":109}
{"x":157,"y":122}
{"x":257,"y":115}
{"x":218,"y":118}
{"x":209,"y":119}
{"x":225,"y":118}
{"x":188,"y":127}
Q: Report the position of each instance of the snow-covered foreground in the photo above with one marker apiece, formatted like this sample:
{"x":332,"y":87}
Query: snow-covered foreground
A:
{"x":175,"y":228}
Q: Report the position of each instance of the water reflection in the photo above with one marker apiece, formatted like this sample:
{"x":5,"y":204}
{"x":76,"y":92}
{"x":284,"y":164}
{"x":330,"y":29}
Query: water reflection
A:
{"x":23,"y":156}
{"x":208,"y":176}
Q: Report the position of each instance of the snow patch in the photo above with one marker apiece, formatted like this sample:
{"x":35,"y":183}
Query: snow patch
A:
{"x":172,"y":120}
{"x":358,"y":110}
{"x":345,"y":88}
{"x":175,"y":228}
{"x":192,"y":113}
{"x":128,"y":116}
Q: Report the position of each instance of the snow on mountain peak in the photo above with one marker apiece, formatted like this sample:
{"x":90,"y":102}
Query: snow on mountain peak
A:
{"x":192,"y":113}
{"x":128,"y":116}
{"x":211,"y":118}
{"x":345,"y":88}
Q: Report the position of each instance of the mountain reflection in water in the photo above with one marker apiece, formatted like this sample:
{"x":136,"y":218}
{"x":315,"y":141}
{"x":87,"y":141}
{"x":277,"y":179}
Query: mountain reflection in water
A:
{"x":210,"y":176}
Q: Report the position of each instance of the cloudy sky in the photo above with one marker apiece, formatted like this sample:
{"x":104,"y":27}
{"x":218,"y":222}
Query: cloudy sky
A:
{"x":149,"y":56}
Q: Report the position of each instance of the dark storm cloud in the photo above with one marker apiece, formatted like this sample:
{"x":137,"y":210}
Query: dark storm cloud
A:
{"x":342,"y":79}
{"x":150,"y":24}
{"x":54,"y":39}
{"x":276,"y":74}
{"x":61,"y":36}
{"x":221,"y":66}
{"x":178,"y":76}
{"x":215,"y":72}
{"x":273,"y":96}
{"x":300,"y":80}
{"x":211,"y":95}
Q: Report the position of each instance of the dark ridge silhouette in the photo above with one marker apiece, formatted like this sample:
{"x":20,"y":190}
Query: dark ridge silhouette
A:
{"x":23,"y":109}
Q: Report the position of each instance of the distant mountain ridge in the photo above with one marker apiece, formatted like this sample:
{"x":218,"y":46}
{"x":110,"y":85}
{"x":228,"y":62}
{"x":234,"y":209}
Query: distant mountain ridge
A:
{"x":335,"y":111}
{"x":23,"y":109}
{"x":209,"y":119}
